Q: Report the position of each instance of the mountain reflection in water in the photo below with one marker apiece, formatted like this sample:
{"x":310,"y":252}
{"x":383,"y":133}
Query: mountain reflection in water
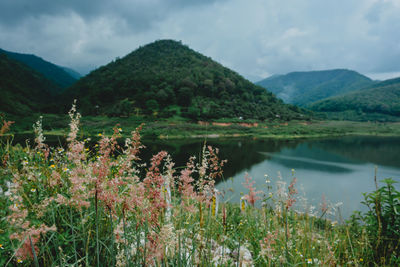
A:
{"x":340,"y":168}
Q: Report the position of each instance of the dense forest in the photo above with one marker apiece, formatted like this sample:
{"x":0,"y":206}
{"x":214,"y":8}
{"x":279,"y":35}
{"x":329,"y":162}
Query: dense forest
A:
{"x":303,"y":88}
{"x":23,"y":89}
{"x":166,"y":78}
{"x":381,"y":98}
{"x":60,"y":76}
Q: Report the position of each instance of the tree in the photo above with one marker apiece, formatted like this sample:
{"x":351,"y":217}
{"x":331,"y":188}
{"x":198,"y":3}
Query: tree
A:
{"x":152,"y":105}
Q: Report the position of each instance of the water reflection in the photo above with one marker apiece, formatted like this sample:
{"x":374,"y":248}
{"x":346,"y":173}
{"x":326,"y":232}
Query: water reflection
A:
{"x":340,"y":168}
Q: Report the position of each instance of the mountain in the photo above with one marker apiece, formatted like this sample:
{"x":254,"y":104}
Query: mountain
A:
{"x":380,"y":98}
{"x":22,"y":89}
{"x":54,"y":73}
{"x":76,"y":75}
{"x":165,"y":78}
{"x":303,"y":88}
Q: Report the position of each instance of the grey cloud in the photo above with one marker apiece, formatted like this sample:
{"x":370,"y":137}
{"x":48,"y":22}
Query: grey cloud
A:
{"x":256,"y":38}
{"x":139,"y":14}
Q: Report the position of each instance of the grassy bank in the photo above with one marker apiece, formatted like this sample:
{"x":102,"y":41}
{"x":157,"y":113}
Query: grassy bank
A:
{"x":100,"y":206}
{"x":177,"y":127}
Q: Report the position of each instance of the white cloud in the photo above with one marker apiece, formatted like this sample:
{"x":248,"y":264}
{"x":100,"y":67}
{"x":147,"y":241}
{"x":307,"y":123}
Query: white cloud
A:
{"x":255,"y":38}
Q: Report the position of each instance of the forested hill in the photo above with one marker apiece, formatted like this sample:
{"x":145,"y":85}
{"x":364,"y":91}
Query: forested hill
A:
{"x":383,"y":98}
{"x":22,"y":89}
{"x":165,"y":78}
{"x":54,"y":73}
{"x":303,"y":88}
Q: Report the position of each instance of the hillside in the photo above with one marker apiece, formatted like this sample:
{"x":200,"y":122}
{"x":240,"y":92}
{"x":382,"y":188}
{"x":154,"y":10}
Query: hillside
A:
{"x":22,"y":89}
{"x":303,"y":88}
{"x":381,"y":98}
{"x":76,"y":75}
{"x":57,"y":74}
{"x":165,"y":78}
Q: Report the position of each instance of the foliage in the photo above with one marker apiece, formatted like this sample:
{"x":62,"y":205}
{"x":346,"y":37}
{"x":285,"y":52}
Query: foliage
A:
{"x":54,"y":73}
{"x":24,"y":90}
{"x":382,"y":223}
{"x":381,"y":98}
{"x":303,"y":88}
{"x":101,"y":205}
{"x":171,"y":74}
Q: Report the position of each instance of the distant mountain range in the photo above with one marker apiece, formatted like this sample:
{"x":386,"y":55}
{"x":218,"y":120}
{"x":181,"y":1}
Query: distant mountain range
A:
{"x":24,"y":90}
{"x":166,"y":78}
{"x":382,"y":97}
{"x":61,"y":76}
{"x":304,"y":88}
{"x":339,"y":94}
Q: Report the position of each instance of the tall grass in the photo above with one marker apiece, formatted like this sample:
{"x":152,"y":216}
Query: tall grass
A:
{"x":103,"y":206}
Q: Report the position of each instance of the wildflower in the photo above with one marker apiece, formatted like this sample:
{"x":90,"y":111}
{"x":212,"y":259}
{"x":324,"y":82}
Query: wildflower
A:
{"x":324,"y":205}
{"x":252,"y":197}
{"x":86,"y":149}
{"x":292,"y":191}
{"x":19,"y":261}
{"x":361,"y":260}
{"x":119,"y":130}
{"x":33,"y":190}
{"x":5,"y":127}
{"x":309,"y":261}
{"x":52,"y":166}
{"x":242,"y":203}
{"x":1,"y":246}
{"x":99,"y":134}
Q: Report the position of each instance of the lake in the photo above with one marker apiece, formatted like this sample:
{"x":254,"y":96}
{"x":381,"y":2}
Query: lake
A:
{"x":341,"y":169}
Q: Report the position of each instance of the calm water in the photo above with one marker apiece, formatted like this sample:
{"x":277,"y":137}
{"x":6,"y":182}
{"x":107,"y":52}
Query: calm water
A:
{"x":340,"y":168}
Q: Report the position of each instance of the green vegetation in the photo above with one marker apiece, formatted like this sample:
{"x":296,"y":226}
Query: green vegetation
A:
{"x":58,"y":75}
{"x":24,"y":90}
{"x":303,"y":88}
{"x":380,"y":101}
{"x":166,"y":78}
{"x":178,"y":127}
{"x":382,"y":222}
{"x":100,"y":206}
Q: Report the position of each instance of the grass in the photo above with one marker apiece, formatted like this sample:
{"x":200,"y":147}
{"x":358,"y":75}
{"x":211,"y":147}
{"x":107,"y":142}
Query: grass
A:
{"x":179,"y":128}
{"x":101,"y":206}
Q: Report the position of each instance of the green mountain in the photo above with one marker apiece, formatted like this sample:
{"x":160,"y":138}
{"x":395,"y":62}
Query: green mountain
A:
{"x":303,"y":88}
{"x":54,"y":73}
{"x":165,"y":78}
{"x":23,"y":89}
{"x":76,"y":75}
{"x":380,"y":98}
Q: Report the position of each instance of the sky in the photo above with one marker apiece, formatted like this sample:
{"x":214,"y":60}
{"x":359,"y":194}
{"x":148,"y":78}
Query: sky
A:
{"x":256,"y":38}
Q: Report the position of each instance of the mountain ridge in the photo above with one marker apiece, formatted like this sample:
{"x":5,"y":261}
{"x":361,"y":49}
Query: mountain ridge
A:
{"x":380,"y":98}
{"x":23,"y":89}
{"x":166,"y":77}
{"x":59,"y":75}
{"x":304,"y":87}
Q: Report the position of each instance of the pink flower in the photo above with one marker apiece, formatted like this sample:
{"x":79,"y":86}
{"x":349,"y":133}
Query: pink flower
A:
{"x":292,"y":191}
{"x":251,"y":197}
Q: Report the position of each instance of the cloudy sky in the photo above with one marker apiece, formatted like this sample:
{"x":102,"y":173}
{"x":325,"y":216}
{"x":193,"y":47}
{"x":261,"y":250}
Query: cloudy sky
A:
{"x":256,"y":38}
